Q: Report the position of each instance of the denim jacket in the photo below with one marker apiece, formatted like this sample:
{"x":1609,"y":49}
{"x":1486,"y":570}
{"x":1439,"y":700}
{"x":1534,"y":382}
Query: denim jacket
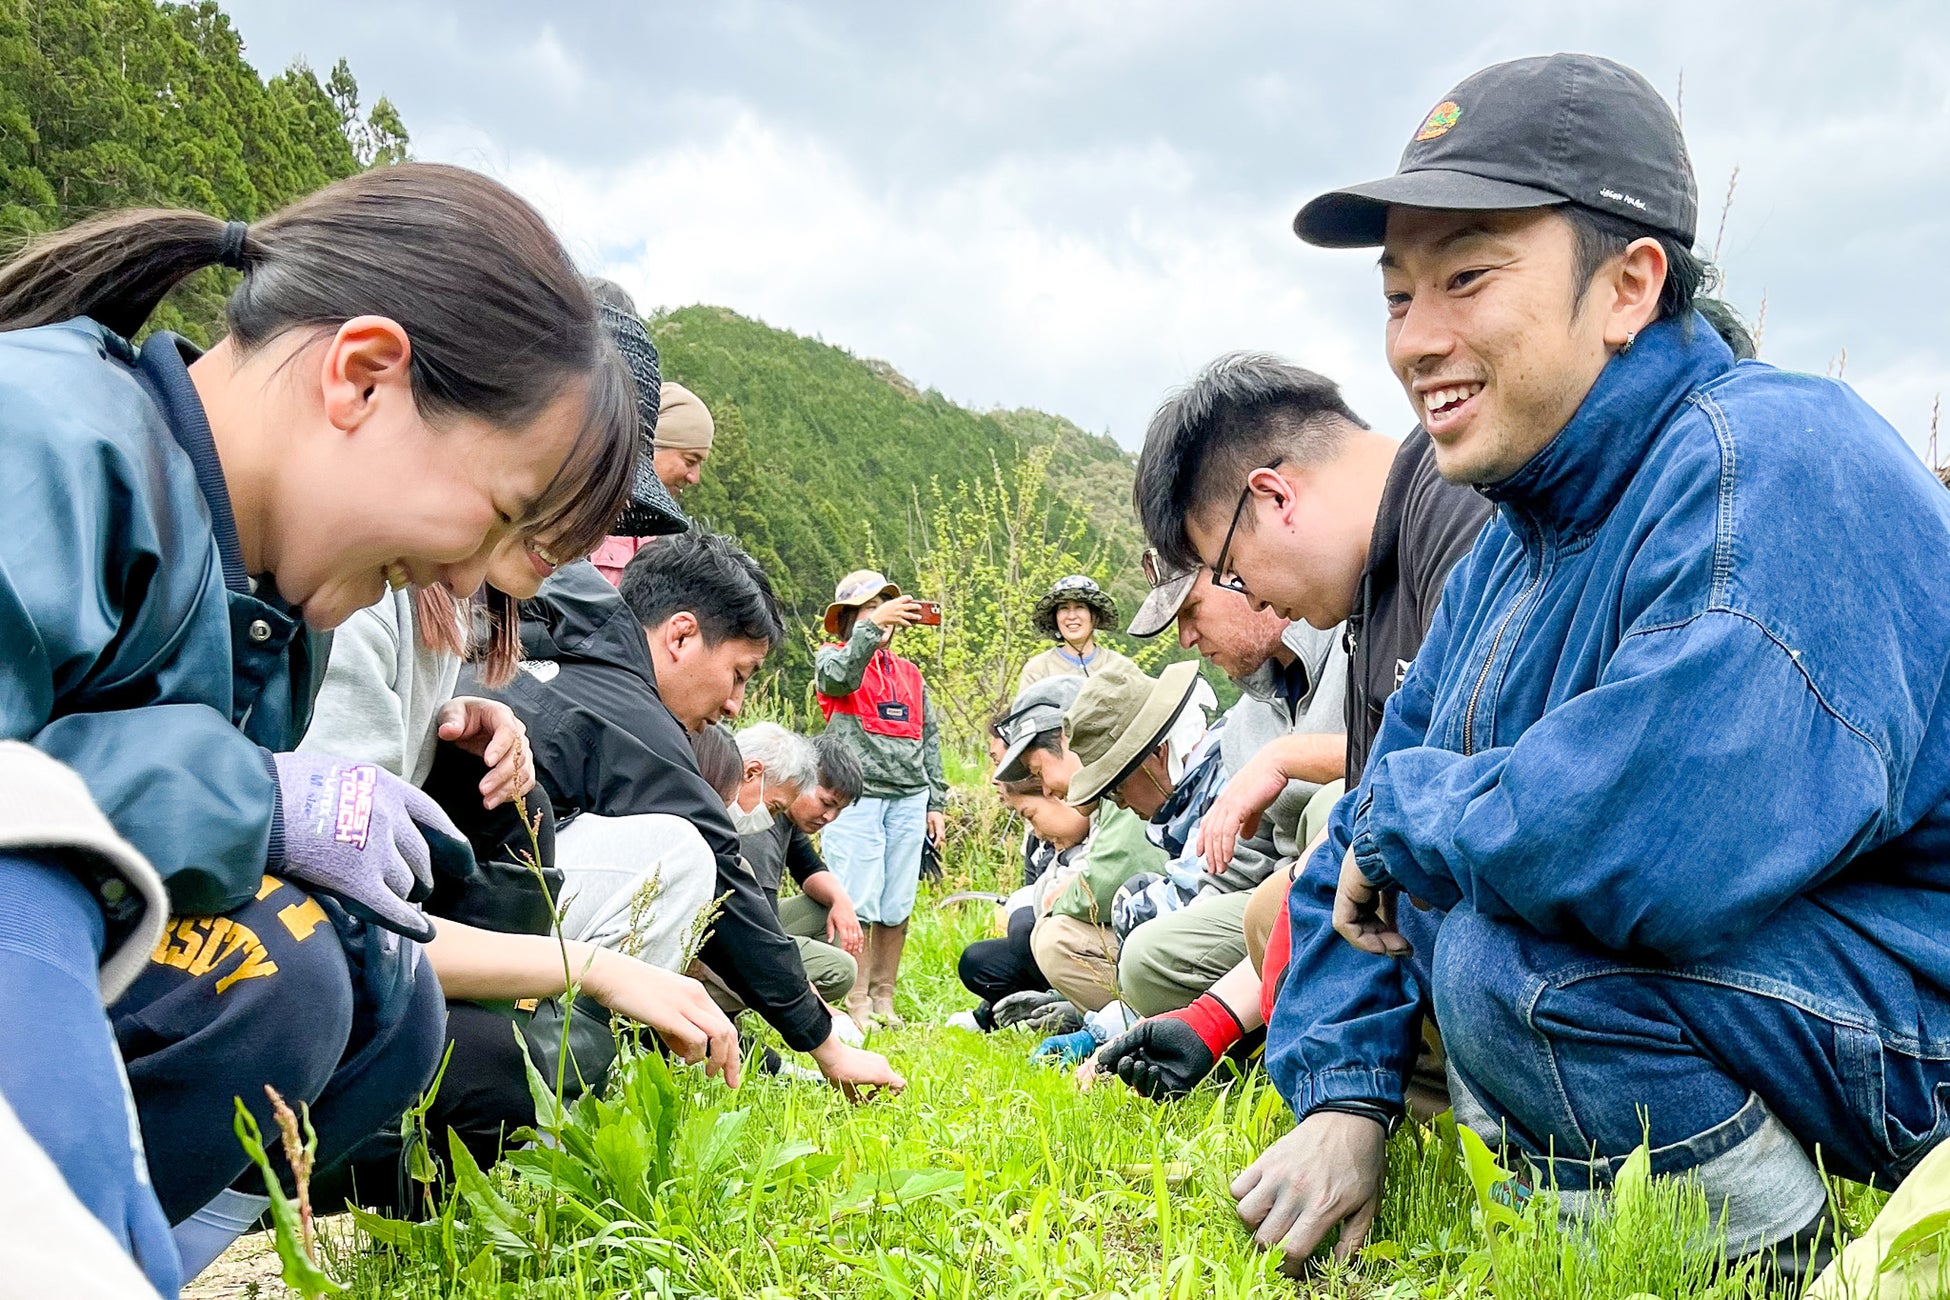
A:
{"x":1692,"y":669}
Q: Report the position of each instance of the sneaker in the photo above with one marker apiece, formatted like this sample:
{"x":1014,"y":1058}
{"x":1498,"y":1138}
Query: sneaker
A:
{"x":846,"y":1031}
{"x":965,"y":1020}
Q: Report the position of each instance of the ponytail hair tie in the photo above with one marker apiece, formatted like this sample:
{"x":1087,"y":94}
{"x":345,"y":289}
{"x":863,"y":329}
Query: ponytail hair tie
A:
{"x":230,"y":250}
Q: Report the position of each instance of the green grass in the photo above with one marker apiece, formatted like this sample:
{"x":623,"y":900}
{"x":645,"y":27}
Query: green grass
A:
{"x":990,"y":1177}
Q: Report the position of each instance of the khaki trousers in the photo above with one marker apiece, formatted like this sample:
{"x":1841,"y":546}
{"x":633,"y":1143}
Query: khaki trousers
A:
{"x":1078,"y":958}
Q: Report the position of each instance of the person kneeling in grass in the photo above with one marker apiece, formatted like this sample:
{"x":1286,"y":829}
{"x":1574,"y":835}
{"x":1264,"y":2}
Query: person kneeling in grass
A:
{"x":816,"y":780}
{"x":613,"y":685}
{"x":1670,"y":812}
{"x":1378,"y":564}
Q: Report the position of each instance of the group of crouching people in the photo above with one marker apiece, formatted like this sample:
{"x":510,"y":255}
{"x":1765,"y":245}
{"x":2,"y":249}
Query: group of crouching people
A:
{"x":1643,"y":734}
{"x":1590,"y":774}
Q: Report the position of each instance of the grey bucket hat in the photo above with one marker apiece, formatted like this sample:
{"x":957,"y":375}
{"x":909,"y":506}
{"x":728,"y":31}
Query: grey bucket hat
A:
{"x":651,"y":510}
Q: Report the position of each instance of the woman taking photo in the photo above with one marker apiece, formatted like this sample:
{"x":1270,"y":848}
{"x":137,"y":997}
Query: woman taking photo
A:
{"x":1070,"y":614}
{"x":413,"y":376}
{"x":875,"y":700}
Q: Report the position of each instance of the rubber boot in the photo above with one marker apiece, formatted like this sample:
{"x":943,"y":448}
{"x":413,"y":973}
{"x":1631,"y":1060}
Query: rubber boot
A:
{"x":884,"y":961}
{"x":858,"y":1008}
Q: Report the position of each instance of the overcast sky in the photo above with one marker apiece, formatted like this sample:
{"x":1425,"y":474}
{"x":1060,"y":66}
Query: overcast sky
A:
{"x":1075,"y":205}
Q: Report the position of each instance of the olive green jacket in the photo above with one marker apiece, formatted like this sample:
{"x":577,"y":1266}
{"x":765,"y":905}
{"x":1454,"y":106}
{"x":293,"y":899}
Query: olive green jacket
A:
{"x":894,"y":768}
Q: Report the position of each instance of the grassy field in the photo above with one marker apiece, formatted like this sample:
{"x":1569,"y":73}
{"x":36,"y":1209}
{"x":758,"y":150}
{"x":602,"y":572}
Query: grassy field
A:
{"x":990,"y":1177}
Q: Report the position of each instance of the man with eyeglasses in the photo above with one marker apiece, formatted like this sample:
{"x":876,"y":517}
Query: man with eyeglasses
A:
{"x":1292,"y":679}
{"x":1379,"y":533}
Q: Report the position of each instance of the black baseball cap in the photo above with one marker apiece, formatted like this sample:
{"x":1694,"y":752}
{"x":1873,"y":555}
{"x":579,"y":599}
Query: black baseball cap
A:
{"x":1531,"y":133}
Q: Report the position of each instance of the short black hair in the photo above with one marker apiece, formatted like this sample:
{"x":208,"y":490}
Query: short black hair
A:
{"x":1602,"y":236}
{"x":1242,"y":412}
{"x":710,"y":576}
{"x":839,"y":769}
{"x":1690,"y":278}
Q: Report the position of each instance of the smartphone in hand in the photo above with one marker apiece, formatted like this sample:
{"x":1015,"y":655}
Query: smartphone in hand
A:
{"x":930,"y":613}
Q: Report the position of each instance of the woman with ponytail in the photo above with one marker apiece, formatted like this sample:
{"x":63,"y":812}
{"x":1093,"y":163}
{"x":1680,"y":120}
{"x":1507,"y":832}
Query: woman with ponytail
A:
{"x":413,"y":382}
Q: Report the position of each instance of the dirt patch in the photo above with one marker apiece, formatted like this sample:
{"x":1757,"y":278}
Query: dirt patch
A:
{"x":247,"y":1271}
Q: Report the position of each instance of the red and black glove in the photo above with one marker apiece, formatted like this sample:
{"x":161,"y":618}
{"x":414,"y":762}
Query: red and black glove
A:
{"x":1166,"y":1056}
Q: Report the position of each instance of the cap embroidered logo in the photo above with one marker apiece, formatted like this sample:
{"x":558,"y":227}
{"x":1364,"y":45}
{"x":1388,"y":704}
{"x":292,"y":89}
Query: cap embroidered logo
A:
{"x":1440,"y":119}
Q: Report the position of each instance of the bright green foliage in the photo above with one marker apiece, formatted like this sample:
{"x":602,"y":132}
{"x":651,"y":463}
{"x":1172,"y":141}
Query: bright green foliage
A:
{"x":824,"y":462}
{"x":120,"y":103}
{"x":991,"y":1178}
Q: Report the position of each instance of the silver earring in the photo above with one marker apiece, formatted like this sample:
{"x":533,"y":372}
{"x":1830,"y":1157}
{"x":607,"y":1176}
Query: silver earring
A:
{"x":1631,"y":337}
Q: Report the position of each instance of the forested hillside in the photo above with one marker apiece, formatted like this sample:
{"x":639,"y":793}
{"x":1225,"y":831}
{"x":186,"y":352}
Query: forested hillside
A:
{"x":825,"y":462}
{"x":118,"y":103}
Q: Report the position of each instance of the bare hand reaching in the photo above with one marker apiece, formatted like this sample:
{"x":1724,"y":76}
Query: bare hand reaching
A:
{"x":675,"y":1007}
{"x":1236,"y":812}
{"x":490,"y":730}
{"x":1326,"y":1172}
{"x":859,"y":1074}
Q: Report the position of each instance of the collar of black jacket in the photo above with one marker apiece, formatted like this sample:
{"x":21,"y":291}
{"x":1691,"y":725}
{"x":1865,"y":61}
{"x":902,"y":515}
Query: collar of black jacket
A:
{"x":578,"y":615}
{"x":1571,"y":485}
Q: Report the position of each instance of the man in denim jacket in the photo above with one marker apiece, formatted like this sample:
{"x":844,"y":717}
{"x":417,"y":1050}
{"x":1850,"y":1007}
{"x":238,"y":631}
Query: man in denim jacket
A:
{"x":1668,"y":784}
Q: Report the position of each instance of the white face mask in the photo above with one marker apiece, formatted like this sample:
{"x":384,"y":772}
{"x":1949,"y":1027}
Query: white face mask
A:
{"x":759,"y":818}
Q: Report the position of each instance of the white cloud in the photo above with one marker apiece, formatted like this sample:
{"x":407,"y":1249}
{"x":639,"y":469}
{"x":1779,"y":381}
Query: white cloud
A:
{"x":968,"y":286}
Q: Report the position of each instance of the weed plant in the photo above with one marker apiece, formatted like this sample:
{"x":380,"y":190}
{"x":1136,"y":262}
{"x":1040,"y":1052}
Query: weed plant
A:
{"x":991,"y":1177}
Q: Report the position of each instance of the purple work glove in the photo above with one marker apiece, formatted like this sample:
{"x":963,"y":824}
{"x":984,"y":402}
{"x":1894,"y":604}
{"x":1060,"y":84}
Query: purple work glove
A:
{"x":362,"y":835}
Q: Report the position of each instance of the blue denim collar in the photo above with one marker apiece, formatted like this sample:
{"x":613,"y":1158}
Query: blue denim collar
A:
{"x":164,"y":361}
{"x":1569,"y":487}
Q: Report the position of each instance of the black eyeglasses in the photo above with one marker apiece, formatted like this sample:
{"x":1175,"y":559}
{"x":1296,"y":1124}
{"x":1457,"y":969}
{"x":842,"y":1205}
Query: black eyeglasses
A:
{"x":1222,"y":575}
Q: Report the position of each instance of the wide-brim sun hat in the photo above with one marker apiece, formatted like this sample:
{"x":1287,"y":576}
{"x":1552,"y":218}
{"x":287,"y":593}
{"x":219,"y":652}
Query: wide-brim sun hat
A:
{"x":1117,"y":720}
{"x":1077,"y":589}
{"x":855,"y":590}
{"x":651,"y":511}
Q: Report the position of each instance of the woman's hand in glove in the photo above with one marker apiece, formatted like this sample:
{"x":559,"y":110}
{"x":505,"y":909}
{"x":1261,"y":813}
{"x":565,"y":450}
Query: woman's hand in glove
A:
{"x":364,"y":836}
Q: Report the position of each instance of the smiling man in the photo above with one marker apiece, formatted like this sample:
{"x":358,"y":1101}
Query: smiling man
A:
{"x":1672,"y":771}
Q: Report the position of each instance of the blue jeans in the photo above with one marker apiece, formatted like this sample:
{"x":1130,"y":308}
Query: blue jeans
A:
{"x":874,"y":847}
{"x":1802,"y":1035}
{"x":58,"y":1065}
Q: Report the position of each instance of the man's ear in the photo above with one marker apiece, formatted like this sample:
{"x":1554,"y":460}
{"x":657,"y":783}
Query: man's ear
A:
{"x":369,"y":360}
{"x":680,"y":633}
{"x":1636,"y":281}
{"x":1272,"y":486}
{"x":753,"y":769}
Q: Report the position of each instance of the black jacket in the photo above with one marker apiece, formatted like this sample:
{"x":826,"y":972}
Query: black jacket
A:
{"x":1425,"y":524}
{"x":605,"y":743}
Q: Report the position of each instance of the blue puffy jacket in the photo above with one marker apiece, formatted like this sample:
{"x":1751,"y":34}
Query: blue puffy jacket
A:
{"x":1693,"y":668}
{"x":134,"y":650}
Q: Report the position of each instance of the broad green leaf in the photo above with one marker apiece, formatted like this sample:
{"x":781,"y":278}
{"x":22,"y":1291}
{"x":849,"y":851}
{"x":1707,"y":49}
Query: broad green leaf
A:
{"x":503,"y":1223}
{"x":388,"y":1232}
{"x":1916,"y":1240}
{"x":549,"y":1115}
{"x":1490,"y":1180}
